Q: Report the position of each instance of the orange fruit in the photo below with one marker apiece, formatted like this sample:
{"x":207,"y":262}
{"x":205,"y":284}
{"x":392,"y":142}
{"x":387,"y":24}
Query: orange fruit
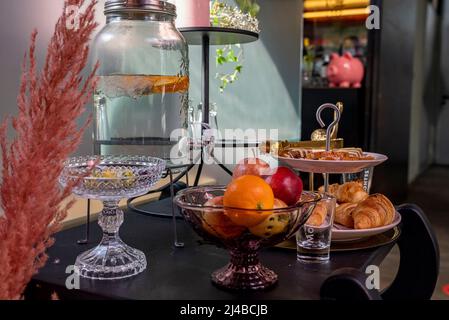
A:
{"x":251,"y":193}
{"x":216,"y":223}
{"x":171,"y":84}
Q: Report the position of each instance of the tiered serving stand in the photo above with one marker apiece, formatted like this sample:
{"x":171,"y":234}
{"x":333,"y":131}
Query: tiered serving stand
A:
{"x":327,"y":167}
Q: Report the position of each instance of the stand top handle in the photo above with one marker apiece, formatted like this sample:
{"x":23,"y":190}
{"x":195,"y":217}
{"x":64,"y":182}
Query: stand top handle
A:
{"x":332,"y":125}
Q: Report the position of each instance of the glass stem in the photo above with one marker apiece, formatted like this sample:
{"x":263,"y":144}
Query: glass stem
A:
{"x":110,"y":220}
{"x":244,"y":259}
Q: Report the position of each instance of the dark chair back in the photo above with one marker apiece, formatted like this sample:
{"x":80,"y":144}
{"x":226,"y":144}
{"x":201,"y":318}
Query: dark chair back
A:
{"x":418,"y":270}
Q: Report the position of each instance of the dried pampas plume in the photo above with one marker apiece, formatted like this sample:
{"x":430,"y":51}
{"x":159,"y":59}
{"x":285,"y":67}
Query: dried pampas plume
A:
{"x":50,"y":103}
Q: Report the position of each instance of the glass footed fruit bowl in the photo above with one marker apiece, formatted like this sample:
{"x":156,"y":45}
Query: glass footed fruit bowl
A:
{"x":111,"y":179}
{"x":242,"y":232}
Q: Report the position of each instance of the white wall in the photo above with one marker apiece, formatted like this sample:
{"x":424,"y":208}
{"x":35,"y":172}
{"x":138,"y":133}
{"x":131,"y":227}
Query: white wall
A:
{"x":18,"y":18}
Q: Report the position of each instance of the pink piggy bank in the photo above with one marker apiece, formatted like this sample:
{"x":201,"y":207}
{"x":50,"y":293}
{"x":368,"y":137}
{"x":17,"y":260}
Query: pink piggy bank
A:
{"x":345,"y":71}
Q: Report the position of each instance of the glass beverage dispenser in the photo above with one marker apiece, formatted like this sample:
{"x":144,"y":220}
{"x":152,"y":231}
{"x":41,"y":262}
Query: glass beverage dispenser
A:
{"x":142,"y":93}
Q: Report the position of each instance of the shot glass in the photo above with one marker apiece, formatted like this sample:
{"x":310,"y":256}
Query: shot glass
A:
{"x":313,"y":239}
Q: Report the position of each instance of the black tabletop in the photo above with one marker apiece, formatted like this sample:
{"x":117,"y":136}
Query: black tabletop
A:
{"x":184,"y":273}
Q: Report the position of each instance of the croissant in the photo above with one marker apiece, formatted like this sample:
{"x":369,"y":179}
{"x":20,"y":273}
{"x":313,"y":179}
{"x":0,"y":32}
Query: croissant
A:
{"x":350,"y":192}
{"x":318,"y":216}
{"x":376,"y":211}
{"x":343,"y":214}
{"x":333,"y":189}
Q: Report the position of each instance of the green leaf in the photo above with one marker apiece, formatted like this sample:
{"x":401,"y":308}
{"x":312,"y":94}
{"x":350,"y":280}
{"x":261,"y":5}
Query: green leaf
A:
{"x":254,"y":11}
{"x":229,"y":55}
{"x":221,"y":60}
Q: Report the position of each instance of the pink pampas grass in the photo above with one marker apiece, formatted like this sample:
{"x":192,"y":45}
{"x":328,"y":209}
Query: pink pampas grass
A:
{"x":49,"y":102}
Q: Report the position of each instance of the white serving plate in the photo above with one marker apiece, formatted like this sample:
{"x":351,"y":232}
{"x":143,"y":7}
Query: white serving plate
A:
{"x":334,"y":166}
{"x":341,"y":233}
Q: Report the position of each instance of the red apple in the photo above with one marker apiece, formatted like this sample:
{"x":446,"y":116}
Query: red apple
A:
{"x":286,"y":185}
{"x":252,"y":167}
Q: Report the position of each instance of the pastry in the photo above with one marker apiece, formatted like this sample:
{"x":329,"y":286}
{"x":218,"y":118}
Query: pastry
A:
{"x":318,"y":216}
{"x":376,"y":211}
{"x":350,"y":192}
{"x":333,"y":189}
{"x":344,"y":154}
{"x":294,"y":153}
{"x":343,"y":214}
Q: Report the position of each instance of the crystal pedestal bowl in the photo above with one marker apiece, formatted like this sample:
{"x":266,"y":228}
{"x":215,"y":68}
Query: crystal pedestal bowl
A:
{"x":111,"y":179}
{"x":212,"y":222}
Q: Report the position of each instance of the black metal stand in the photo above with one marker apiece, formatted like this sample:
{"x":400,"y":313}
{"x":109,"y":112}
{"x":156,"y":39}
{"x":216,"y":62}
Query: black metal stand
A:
{"x":207,"y":36}
{"x":173,"y":181}
{"x":87,"y":236}
{"x":205,"y":78}
{"x":176,"y":243}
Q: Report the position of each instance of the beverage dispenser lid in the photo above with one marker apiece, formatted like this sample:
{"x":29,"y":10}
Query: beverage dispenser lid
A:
{"x":140,"y":5}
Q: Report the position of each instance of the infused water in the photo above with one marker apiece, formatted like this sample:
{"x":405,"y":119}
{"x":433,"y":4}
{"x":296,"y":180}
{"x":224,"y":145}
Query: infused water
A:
{"x":136,"y":114}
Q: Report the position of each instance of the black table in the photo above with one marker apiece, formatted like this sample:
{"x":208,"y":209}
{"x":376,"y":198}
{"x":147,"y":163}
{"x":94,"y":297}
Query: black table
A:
{"x":184,"y":274}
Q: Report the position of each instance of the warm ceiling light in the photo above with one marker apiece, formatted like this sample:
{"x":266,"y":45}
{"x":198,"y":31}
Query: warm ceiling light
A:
{"x":337,"y":13}
{"x":314,"y":5}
